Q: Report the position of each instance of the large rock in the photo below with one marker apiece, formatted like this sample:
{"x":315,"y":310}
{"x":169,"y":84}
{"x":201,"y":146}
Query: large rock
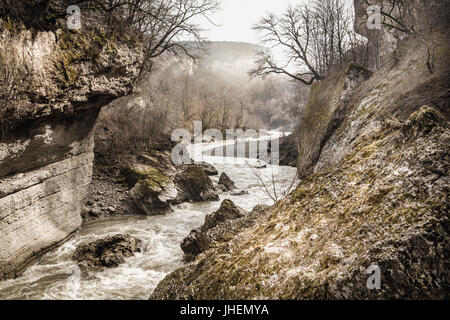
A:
{"x":138,"y":167}
{"x":194,"y":185}
{"x":151,"y":178}
{"x":155,"y":193}
{"x":227,"y":211}
{"x":201,"y":240}
{"x":62,"y":79}
{"x":226,"y":182}
{"x":156,"y":184}
{"x":210,"y":170}
{"x":108,"y":252}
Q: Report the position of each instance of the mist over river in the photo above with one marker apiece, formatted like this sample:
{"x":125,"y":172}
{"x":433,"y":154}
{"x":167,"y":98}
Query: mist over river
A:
{"x":57,"y":276}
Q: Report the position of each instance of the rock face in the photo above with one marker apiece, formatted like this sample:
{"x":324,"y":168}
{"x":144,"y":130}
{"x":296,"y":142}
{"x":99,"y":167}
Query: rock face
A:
{"x":108,"y":252}
{"x":375,"y":191}
{"x":202,"y":239}
{"x":61,"y":79}
{"x":324,"y":113}
{"x":289,"y":151}
{"x":385,"y":204}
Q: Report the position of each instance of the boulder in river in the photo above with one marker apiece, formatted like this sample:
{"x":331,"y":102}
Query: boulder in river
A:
{"x":210,"y":170}
{"x":227,"y":211}
{"x":150,"y":176}
{"x":141,"y":166}
{"x":239,"y":193}
{"x":199,"y":240}
{"x":107,"y":252}
{"x":154,"y":194}
{"x":194,"y":184}
{"x":226,"y":182}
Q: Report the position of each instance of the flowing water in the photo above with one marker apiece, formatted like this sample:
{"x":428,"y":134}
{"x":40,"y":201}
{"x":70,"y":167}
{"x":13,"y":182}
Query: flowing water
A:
{"x":56,"y":276}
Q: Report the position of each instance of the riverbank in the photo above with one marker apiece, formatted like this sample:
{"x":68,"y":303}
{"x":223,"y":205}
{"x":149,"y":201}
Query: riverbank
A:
{"x":55,"y":275}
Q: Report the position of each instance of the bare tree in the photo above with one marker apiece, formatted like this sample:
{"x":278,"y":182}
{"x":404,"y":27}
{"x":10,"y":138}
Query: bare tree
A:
{"x":164,"y":25}
{"x":332,"y":25}
{"x":273,"y":189}
{"x":314,"y":37}
{"x":293,"y":33}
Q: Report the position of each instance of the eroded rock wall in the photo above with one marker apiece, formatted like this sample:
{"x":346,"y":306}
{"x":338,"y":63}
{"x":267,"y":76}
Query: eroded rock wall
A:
{"x":58,"y":81}
{"x":324,"y":113}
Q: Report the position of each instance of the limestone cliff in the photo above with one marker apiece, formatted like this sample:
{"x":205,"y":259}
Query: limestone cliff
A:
{"x":54,"y":82}
{"x":375,"y":167}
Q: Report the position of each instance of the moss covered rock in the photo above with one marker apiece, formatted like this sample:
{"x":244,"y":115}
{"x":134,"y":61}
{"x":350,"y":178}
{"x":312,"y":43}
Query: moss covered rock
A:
{"x":154,"y":192}
{"x":194,"y":184}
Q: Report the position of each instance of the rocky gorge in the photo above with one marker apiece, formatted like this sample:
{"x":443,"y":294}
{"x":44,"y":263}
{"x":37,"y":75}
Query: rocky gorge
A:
{"x":372,"y":154}
{"x":375,"y":165}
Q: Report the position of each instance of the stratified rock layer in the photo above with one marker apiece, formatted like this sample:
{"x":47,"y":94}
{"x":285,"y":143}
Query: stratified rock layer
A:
{"x":41,"y":206}
{"x":60,"y":80}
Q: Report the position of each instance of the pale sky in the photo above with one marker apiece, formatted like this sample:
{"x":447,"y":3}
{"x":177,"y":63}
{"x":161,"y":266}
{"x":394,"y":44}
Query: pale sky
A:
{"x":237,"y":17}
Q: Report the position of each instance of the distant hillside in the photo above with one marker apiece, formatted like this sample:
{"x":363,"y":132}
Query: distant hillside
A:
{"x":232,"y":60}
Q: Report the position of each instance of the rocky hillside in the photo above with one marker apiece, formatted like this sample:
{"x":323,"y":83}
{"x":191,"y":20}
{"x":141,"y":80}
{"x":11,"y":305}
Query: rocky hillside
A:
{"x":375,"y":168}
{"x":56,"y":82}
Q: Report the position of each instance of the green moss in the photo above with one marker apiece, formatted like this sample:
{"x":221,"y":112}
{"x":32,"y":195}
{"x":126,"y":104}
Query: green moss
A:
{"x":76,"y":46}
{"x":8,"y":25}
{"x":152,"y":177}
{"x":156,"y":181}
{"x":197,"y":177}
